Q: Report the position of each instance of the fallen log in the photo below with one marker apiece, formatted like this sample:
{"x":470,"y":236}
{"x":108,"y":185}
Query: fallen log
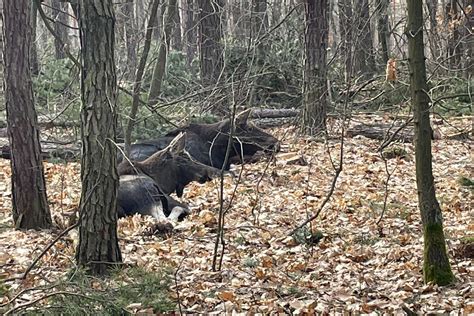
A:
{"x":50,"y":151}
{"x":274,"y":113}
{"x":382,"y":132}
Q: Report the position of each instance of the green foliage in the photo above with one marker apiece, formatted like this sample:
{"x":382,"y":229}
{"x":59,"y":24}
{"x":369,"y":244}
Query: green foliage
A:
{"x":57,"y":77}
{"x":452,"y":96}
{"x":250,"y":262}
{"x":85,"y":295}
{"x":180,"y":77}
{"x":466,"y":182}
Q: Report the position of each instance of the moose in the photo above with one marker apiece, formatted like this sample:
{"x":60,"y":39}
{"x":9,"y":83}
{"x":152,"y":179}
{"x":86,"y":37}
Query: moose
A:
{"x":145,"y":185}
{"x":207,"y":143}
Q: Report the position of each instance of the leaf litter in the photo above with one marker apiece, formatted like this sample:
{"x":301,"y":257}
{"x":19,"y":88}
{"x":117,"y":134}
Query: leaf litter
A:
{"x":357,"y":266}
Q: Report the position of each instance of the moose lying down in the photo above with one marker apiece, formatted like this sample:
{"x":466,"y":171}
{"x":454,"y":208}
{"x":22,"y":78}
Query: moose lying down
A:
{"x":207,"y":143}
{"x":145,"y":185}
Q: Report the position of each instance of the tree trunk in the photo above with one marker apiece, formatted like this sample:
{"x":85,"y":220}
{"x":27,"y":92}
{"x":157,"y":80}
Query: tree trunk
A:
{"x":189,"y":30}
{"x":210,"y":36}
{"x":364,"y":61}
{"x":454,"y":42}
{"x":131,"y":36}
{"x":152,"y":21}
{"x":382,"y":29}
{"x":34,"y":64}
{"x":433,"y":39}
{"x":60,"y":28}
{"x":159,"y":70}
{"x":98,"y":244}
{"x":259,"y":28}
{"x":345,"y":28}
{"x":176,"y":42}
{"x":436,"y":266}
{"x":315,"y":70}
{"x":30,"y":205}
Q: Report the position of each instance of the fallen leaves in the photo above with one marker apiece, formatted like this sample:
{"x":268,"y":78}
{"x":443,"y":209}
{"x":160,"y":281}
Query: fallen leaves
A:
{"x":357,"y":266}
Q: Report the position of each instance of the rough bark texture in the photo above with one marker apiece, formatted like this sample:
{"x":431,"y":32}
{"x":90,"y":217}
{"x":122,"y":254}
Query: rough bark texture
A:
{"x":315,"y":70}
{"x":34,"y":64}
{"x":98,"y":244}
{"x":364,"y":59}
{"x":152,"y":21}
{"x":345,"y":28}
{"x":177,"y":42}
{"x":436,"y":266}
{"x":159,"y":70}
{"x":30,"y":206}
{"x":210,"y":35}
{"x":60,"y":28}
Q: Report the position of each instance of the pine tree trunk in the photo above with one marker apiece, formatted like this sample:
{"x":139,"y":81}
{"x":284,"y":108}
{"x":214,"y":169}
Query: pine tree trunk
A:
{"x":189,"y":30}
{"x":436,"y":266}
{"x":98,"y":244}
{"x":382,"y":29}
{"x":176,"y":42}
{"x":159,"y":70}
{"x":130,"y":38}
{"x":315,"y":69}
{"x":34,"y":64}
{"x":345,"y":28}
{"x":210,"y":36}
{"x":364,"y":59}
{"x":60,"y":28}
{"x":30,"y":206}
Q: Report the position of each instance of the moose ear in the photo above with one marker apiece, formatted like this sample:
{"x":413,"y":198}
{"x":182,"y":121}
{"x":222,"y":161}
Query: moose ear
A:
{"x":242,"y":117}
{"x":178,"y":143}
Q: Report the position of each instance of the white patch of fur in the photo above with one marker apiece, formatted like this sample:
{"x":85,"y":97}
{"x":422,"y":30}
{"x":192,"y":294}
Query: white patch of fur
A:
{"x":157,"y":211}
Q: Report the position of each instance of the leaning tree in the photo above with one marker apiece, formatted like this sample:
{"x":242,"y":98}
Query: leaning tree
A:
{"x":436,"y":266}
{"x":98,"y":244}
{"x":30,"y":206}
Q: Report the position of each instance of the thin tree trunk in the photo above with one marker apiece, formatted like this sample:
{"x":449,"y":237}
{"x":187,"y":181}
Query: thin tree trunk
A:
{"x":140,"y":70}
{"x":315,"y":69}
{"x":382,"y":29}
{"x":61,"y":20}
{"x":436,"y":266}
{"x":130,"y":38}
{"x":434,"y":39}
{"x":364,"y":60}
{"x":189,"y":30}
{"x":345,"y":28}
{"x":176,"y":42}
{"x":98,"y":243}
{"x":159,"y":70}
{"x":30,"y":205}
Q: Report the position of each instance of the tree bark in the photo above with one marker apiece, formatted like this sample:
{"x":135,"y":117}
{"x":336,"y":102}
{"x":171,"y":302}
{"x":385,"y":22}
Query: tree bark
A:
{"x":152,"y":21}
{"x":34,"y":64}
{"x":345,"y":28}
{"x":61,"y":20}
{"x":315,"y":69}
{"x":189,"y":30}
{"x":210,"y":36}
{"x":436,"y":266}
{"x":30,"y":206}
{"x":159,"y":70}
{"x":130,"y":38}
{"x":98,"y":243}
{"x":364,"y":60}
{"x":176,"y":42}
{"x":382,"y":29}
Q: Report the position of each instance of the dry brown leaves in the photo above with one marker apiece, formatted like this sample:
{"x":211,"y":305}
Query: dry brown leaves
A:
{"x":357,"y":266}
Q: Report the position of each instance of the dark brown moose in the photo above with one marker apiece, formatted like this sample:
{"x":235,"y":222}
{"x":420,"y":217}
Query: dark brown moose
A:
{"x":145,"y":186}
{"x":171,"y":168}
{"x":207,"y":143}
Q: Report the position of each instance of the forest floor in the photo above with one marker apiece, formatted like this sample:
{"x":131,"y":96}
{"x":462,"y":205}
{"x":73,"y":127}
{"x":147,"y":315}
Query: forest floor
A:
{"x":357,"y":266}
